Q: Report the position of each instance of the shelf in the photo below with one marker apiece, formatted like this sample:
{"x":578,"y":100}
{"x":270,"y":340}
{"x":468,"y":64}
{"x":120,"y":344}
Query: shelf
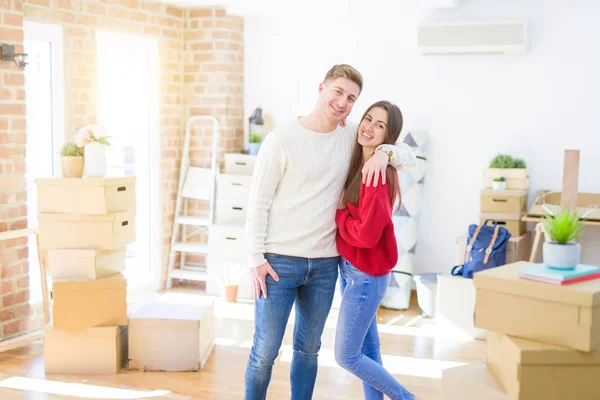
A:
{"x":191,"y":247}
{"x":189,"y":275}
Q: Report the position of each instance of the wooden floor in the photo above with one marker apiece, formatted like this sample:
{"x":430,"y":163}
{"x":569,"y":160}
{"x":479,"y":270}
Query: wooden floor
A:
{"x":415,"y":351}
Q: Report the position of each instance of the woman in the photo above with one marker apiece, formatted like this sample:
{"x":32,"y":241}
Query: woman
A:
{"x":367,"y":244}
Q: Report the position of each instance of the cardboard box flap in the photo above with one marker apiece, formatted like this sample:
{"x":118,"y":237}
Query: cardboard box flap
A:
{"x":505,"y":279}
{"x":106,"y":181}
{"x":120,"y":216}
{"x":529,"y":352}
{"x":81,"y":253}
{"x":504,"y":193}
{"x":99,"y":331}
{"x":164,"y":313}
{"x":112,"y":282}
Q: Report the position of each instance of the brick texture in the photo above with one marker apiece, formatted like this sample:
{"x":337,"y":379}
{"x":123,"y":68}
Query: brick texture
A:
{"x":14,"y":294}
{"x":201,"y":66}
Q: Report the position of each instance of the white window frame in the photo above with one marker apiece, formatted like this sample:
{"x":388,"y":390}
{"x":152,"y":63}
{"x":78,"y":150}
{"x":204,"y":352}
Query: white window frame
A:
{"x":54,"y":34}
{"x":155,"y":176}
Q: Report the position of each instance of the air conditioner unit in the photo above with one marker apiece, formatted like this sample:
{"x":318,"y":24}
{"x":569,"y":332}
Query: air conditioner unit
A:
{"x":499,"y":37}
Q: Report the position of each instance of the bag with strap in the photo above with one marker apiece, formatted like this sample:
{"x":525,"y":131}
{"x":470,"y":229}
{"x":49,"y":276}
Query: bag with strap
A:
{"x":486,"y":248}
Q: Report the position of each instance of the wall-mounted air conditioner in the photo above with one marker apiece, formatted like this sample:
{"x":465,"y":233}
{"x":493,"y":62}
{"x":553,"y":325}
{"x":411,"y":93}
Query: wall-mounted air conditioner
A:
{"x":498,"y":37}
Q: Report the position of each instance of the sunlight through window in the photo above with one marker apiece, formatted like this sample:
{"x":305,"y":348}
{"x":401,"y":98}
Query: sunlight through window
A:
{"x":77,"y":389}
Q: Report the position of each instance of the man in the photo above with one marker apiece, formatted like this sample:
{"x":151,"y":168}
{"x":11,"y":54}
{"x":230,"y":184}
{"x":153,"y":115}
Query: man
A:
{"x":298,"y":178}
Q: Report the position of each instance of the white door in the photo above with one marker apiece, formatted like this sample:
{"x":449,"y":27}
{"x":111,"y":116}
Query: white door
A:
{"x":44,"y":122}
{"x":128,"y":109}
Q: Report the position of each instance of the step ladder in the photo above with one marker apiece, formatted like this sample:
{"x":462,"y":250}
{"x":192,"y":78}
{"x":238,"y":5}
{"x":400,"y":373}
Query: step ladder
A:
{"x":199,"y":184}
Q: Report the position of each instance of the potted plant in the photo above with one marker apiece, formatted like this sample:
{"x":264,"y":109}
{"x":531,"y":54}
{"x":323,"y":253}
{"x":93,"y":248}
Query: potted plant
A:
{"x":254,"y":145}
{"x":71,"y":160}
{"x":563,"y":228}
{"x":92,"y":138}
{"x":514,"y":171}
{"x":230,"y":279}
{"x":499,"y":183}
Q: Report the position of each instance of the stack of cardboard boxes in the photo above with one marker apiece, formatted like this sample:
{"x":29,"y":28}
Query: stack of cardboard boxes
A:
{"x":85,"y":226}
{"x":506,"y":207}
{"x":543,"y":340}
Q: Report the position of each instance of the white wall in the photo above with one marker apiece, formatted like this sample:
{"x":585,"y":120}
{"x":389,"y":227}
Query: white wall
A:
{"x":473,"y":106}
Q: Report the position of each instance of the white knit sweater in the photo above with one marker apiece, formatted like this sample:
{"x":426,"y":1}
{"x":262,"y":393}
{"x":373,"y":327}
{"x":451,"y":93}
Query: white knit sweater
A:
{"x":298,"y":179}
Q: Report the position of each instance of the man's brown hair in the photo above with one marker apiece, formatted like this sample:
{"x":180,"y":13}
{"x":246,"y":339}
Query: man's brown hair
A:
{"x":345,"y":71}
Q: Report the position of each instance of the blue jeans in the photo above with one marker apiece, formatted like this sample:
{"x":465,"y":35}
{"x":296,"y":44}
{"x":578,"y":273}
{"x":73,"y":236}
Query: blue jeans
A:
{"x":357,"y":347}
{"x":310,"y":282}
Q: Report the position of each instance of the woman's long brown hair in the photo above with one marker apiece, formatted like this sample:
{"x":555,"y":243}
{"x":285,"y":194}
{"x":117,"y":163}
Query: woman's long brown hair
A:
{"x":354,"y":178}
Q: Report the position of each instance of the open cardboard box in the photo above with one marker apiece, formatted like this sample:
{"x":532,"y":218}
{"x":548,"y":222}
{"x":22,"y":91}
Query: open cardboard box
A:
{"x":588,"y":204}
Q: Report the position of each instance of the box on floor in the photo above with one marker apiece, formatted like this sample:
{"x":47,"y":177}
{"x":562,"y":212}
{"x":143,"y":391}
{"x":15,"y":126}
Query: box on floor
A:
{"x":174,"y":332}
{"x":470,"y":382}
{"x":101,"y":350}
{"x":456,"y":306}
{"x":78,"y":231}
{"x":79,"y":305}
{"x":94,"y":196}
{"x":517,"y":249}
{"x":529,"y":370}
{"x":79,"y":264}
{"x":566,"y":316}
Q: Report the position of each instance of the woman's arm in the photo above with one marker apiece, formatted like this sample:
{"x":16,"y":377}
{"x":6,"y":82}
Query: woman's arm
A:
{"x":374,"y":214}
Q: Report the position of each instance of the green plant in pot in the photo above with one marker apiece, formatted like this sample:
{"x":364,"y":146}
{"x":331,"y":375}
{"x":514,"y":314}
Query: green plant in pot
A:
{"x":71,"y":160}
{"x":499,"y":183}
{"x":254,"y":145}
{"x":563,"y":228}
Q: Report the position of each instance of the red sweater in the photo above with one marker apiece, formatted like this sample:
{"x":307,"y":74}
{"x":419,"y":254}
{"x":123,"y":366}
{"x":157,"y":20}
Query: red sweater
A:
{"x":365,"y":235}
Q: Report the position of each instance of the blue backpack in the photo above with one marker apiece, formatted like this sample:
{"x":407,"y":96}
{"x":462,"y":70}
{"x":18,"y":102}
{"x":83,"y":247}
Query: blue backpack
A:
{"x":486,"y":248}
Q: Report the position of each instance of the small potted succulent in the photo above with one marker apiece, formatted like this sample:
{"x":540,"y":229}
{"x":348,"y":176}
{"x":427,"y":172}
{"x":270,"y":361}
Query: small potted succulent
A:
{"x":254,"y":145}
{"x":71,"y":160}
{"x":563,"y":228}
{"x":499,"y":183}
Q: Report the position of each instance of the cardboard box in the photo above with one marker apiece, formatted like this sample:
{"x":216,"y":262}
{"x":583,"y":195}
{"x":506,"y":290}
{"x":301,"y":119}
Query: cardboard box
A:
{"x":471,"y":382}
{"x":97,"y":196}
{"x":529,"y":370}
{"x":504,"y":201}
{"x":567,"y":316}
{"x":92,"y":351}
{"x":227,"y":242}
{"x":73,"y":264}
{"x":588,"y":204}
{"x":517,"y":249}
{"x":231,"y":212}
{"x":233,"y":187}
{"x":79,"y":305}
{"x":516,"y":178}
{"x":239,"y":164}
{"x":173,"y":332}
{"x":456,"y":306}
{"x":512,"y":222}
{"x":102,"y":232}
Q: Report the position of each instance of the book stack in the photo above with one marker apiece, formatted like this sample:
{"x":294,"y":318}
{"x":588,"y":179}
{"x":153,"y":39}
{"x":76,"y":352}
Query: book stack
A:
{"x":555,"y":276}
{"x":85,"y":226}
{"x":543,"y":339}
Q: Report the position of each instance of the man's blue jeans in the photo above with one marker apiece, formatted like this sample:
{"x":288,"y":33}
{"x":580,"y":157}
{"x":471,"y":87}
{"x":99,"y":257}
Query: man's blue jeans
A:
{"x":357,"y":346}
{"x":310,"y":282}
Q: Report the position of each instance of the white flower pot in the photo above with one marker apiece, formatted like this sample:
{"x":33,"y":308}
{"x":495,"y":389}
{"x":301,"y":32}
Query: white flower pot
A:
{"x":561,"y":256}
{"x":94,"y":160}
{"x":499,"y":185}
